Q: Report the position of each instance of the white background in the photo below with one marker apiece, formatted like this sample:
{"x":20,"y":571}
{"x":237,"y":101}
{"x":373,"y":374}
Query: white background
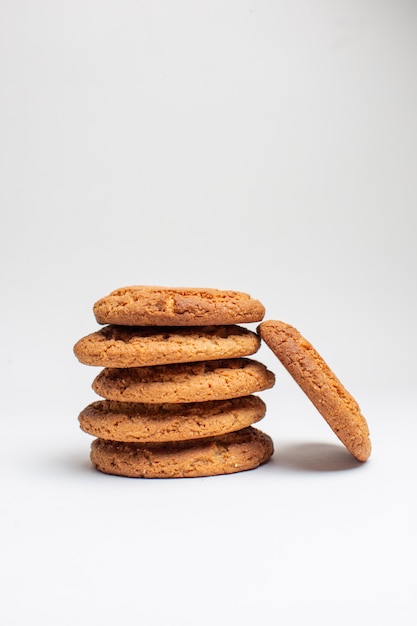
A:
{"x":268,"y":147}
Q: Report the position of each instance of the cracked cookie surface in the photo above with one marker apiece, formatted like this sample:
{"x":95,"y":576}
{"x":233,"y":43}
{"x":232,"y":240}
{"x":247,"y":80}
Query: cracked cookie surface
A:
{"x":184,"y":382}
{"x":139,"y":422}
{"x":131,"y":346}
{"x":176,"y":306}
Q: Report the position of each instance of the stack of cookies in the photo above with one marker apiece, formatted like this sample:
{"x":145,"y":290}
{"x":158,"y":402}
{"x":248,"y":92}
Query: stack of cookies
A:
{"x":177,"y":383}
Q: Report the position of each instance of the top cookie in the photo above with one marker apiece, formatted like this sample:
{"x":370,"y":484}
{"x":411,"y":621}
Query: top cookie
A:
{"x":176,"y":306}
{"x":320,"y":384}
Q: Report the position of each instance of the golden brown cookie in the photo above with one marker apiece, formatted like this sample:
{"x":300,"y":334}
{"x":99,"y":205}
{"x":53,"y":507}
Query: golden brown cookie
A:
{"x":230,"y":453}
{"x":184,"y":382}
{"x":137,"y":346}
{"x":319,"y":383}
{"x":142,"y":423}
{"x":176,"y":306}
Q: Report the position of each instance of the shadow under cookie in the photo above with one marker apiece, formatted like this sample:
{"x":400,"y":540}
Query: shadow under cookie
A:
{"x":316,"y":457}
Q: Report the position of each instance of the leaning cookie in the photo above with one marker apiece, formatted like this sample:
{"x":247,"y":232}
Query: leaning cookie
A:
{"x":320,"y":384}
{"x":176,"y":306}
{"x":184,"y":382}
{"x":142,"y":423}
{"x":234,"y":452}
{"x":132,"y":346}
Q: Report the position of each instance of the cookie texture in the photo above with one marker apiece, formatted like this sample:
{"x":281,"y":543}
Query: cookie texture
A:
{"x":138,"y":422}
{"x":320,"y":384}
{"x":132,"y":346}
{"x":234,"y":452}
{"x":176,"y":306}
{"x":184,"y":382}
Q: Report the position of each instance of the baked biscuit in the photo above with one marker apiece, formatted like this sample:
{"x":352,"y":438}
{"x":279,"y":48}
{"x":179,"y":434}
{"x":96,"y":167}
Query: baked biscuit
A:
{"x":138,"y":422}
{"x":231,"y":453}
{"x":184,"y":382}
{"x":176,"y":306}
{"x":132,"y":346}
{"x":320,"y":384}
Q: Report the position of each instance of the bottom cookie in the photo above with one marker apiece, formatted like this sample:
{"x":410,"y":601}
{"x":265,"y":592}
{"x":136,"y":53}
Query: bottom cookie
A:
{"x":234,"y":452}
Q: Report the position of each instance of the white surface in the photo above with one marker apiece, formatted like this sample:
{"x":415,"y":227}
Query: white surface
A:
{"x":313,"y":534}
{"x":267,"y":147}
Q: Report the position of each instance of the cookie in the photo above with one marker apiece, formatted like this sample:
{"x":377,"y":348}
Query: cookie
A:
{"x":320,"y":384}
{"x":184,"y":382}
{"x":122,"y":346}
{"x":234,"y":452}
{"x":176,"y":306}
{"x":138,"y":422}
